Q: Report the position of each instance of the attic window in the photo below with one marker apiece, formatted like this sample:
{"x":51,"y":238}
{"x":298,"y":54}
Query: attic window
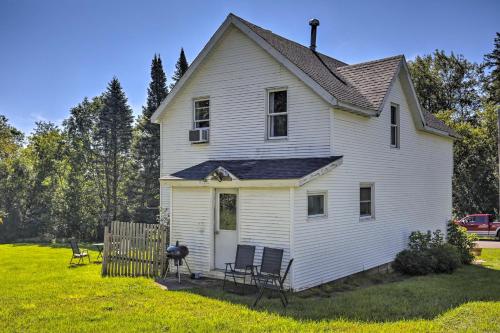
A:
{"x":277,"y":115}
{"x":394,"y":126}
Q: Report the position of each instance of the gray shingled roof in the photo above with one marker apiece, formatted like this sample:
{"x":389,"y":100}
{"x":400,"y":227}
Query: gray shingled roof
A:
{"x":288,"y":168}
{"x":364,"y":85}
{"x":438,"y":124}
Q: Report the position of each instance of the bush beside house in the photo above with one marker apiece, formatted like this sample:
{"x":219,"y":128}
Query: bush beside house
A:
{"x":430,"y":253}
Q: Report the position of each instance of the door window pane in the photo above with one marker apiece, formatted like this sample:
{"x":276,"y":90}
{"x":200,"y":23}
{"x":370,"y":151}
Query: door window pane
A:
{"x":227,"y":211}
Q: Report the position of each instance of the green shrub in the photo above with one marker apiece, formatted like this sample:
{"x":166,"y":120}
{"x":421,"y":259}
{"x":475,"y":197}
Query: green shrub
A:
{"x":413,"y":262}
{"x":464,"y":242}
{"x":444,"y":258}
{"x":427,"y":253}
{"x":419,"y":241}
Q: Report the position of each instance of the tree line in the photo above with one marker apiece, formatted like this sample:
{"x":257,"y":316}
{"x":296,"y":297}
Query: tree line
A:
{"x":102,"y":165}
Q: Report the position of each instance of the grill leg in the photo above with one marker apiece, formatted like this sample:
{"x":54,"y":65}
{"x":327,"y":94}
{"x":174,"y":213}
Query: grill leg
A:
{"x":187,"y":265}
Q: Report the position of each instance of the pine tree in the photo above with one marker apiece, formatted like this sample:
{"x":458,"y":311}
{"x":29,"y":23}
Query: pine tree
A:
{"x":492,"y":61}
{"x":147,"y":146}
{"x":83,"y":193}
{"x":181,"y":68}
{"x":113,"y":138}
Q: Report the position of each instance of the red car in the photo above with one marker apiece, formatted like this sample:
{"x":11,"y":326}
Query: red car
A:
{"x":481,"y":224}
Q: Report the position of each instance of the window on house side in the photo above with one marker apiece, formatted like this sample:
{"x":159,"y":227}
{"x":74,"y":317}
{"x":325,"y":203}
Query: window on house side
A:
{"x":394,"y":126}
{"x":316,"y":204}
{"x":366,"y":203}
{"x":277,"y":117}
{"x":201,"y":113}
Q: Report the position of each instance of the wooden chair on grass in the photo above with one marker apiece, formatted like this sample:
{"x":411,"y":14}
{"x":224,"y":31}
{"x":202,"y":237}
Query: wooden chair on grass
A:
{"x":77,"y":253}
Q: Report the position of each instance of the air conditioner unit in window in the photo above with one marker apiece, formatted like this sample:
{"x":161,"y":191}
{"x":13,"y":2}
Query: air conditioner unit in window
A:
{"x":199,"y":135}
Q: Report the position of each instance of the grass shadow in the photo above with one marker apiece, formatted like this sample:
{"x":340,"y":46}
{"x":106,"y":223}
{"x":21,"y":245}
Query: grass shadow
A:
{"x":378,"y":298}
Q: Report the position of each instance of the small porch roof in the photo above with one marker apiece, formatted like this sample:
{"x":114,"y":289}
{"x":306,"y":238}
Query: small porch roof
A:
{"x":302,"y":169}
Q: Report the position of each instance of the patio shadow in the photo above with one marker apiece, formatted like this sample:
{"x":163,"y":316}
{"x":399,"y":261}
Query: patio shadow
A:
{"x":377,"y":298}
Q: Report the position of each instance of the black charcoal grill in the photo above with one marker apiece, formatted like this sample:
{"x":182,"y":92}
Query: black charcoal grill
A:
{"x":176,"y":255}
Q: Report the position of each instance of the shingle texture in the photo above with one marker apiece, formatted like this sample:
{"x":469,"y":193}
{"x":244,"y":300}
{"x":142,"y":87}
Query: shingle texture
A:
{"x":438,"y":124}
{"x":364,"y":85}
{"x":288,"y":168}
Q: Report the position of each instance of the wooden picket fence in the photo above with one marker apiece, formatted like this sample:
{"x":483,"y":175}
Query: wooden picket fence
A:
{"x":134,"y":249}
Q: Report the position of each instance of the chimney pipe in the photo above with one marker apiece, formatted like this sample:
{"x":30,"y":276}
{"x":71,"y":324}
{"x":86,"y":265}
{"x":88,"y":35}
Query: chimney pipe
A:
{"x":314,"y":23}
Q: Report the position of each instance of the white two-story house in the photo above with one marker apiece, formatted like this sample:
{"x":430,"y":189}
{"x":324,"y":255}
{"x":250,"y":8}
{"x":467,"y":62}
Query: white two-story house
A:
{"x":271,"y":143}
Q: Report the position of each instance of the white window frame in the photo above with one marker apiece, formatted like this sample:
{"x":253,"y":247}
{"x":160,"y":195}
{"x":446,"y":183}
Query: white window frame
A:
{"x":195,"y":121}
{"x":397,"y":125}
{"x":269,"y":114}
{"x":325,"y":204}
{"x":372,"y":202}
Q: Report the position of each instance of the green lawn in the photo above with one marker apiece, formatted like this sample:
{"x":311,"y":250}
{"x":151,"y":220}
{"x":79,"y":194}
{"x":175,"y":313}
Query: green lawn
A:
{"x":40,"y":293}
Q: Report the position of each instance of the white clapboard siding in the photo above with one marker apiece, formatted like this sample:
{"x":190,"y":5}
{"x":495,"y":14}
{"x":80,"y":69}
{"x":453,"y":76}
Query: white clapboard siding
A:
{"x":164,"y":197}
{"x":235,"y":76}
{"x":264,"y":217}
{"x":191,"y":224}
{"x":412,"y":192}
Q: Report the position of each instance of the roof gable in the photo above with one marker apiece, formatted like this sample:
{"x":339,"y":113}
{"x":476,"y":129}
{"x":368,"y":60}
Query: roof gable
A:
{"x":360,"y":88}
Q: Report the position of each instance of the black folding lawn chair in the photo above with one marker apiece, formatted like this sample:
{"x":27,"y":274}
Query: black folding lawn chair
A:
{"x":77,"y":253}
{"x":242,"y":267}
{"x":269,"y":276}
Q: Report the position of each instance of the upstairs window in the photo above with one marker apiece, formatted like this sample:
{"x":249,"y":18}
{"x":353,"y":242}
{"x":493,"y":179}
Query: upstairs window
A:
{"x":277,"y":116}
{"x":394,"y":126}
{"x":201,"y":113}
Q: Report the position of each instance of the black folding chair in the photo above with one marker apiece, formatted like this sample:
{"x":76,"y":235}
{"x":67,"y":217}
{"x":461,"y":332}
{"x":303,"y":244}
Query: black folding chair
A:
{"x":242,"y":266}
{"x":269,"y":276}
{"x":77,"y":253}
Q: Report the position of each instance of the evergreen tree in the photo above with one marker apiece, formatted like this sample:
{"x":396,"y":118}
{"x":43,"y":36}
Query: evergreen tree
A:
{"x":83,"y":193}
{"x":113,"y":139}
{"x":147,"y":146}
{"x":181,"y":68}
{"x":492,"y":61}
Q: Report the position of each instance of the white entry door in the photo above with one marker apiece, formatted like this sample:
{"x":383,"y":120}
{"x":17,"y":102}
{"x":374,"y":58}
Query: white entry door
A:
{"x":226,"y":226}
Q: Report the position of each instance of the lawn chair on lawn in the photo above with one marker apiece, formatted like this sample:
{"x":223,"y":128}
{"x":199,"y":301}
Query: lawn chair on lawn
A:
{"x":77,"y":253}
{"x":269,"y":276}
{"x":242,"y":266}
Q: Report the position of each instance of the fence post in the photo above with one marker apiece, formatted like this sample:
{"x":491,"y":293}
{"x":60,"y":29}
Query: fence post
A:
{"x":105,"y":251}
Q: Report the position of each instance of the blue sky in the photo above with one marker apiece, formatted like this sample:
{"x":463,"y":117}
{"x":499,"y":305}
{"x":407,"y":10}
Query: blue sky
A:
{"x":54,"y":53}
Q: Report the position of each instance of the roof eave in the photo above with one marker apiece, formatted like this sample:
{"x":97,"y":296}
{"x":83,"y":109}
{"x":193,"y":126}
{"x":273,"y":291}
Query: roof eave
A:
{"x":315,"y":174}
{"x":230,"y":183}
{"x":356,"y":109}
{"x":439,"y":132}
